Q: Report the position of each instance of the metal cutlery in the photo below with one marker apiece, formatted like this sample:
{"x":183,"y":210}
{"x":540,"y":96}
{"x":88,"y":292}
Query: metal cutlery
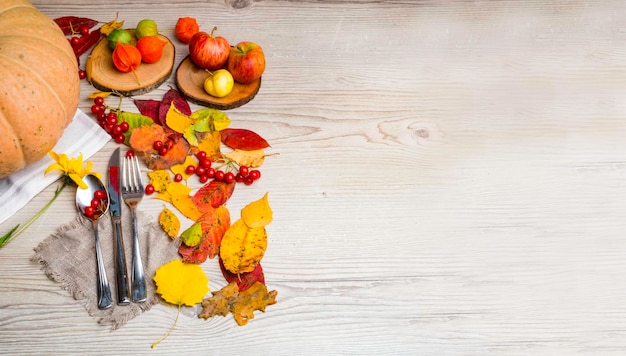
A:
{"x":115,"y":210}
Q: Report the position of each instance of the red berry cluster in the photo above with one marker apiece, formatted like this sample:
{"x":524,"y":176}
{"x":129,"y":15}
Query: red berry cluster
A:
{"x":205,"y":171}
{"x":108,"y":120}
{"x":163,"y":147}
{"x":96,"y":207}
{"x":76,"y":41}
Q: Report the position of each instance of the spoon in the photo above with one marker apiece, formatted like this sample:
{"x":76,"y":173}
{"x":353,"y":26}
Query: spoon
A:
{"x":83,"y":201}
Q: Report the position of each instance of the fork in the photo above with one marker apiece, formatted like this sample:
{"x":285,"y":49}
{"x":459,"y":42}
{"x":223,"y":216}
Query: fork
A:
{"x":132,"y":193}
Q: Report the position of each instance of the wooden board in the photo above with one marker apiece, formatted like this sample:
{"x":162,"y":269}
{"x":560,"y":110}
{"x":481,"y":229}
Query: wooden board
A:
{"x":190,"y":81}
{"x":103,"y":75}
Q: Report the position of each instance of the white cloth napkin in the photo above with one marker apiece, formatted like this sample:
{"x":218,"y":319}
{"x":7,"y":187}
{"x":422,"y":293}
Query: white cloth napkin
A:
{"x":83,"y":135}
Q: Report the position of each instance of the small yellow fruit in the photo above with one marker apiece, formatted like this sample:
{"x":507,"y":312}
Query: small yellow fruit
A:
{"x":219,"y":83}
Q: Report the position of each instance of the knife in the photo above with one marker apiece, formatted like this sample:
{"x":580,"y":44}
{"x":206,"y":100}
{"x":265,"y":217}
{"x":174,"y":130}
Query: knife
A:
{"x":115,"y":209}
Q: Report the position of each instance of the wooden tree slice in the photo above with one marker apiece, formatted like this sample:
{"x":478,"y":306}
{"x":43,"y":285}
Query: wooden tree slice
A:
{"x":190,"y":81}
{"x":103,"y":75}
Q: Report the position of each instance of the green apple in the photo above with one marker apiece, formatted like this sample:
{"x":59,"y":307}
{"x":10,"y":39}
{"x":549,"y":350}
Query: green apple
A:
{"x":219,"y":83}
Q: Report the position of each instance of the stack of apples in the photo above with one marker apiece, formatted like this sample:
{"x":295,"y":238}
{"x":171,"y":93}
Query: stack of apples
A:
{"x":243,"y":63}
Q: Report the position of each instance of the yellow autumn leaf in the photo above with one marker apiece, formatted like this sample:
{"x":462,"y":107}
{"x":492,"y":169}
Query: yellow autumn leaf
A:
{"x":96,"y":94}
{"x":176,"y":120}
{"x":180,"y":168}
{"x":169,"y":222}
{"x":160,"y":179}
{"x":257,"y":213}
{"x":108,"y":27}
{"x":181,"y":283}
{"x":185,"y":204}
{"x":210,"y":143}
{"x":253,"y":158}
{"x":242,"y":248}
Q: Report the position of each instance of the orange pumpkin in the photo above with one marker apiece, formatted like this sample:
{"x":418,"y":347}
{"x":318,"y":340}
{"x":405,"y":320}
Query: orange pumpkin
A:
{"x":40,"y":85}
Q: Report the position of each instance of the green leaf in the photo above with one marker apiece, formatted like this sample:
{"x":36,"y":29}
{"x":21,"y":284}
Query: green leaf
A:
{"x":215,"y":119}
{"x":193,"y":235}
{"x":134,"y":121}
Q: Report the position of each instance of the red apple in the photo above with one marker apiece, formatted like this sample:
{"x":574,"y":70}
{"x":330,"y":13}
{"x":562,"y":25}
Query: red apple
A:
{"x":207,"y":51}
{"x":246,"y":62}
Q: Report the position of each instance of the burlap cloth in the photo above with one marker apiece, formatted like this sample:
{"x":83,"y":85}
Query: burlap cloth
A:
{"x":68,"y":256}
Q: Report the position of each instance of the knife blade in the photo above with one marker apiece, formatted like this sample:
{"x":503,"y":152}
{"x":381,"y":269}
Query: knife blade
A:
{"x":115,"y":210}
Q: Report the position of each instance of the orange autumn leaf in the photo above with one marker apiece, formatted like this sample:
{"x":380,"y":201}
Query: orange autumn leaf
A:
{"x":241,"y":304}
{"x":214,"y":224}
{"x":178,"y":195}
{"x":142,"y":140}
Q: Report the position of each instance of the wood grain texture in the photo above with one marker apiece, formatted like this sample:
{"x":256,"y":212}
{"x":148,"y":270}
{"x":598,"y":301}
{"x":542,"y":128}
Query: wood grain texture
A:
{"x":450,"y":180}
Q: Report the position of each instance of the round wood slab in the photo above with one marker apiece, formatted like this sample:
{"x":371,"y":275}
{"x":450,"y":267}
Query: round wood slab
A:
{"x":190,"y":82}
{"x":103,"y":75}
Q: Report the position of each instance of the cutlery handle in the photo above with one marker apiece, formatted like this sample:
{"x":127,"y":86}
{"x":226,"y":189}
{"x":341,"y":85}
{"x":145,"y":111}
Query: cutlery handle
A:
{"x":123,"y":296}
{"x":138,"y":281}
{"x":104,"y":291}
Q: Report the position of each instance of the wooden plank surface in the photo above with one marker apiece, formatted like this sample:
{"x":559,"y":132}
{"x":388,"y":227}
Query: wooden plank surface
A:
{"x":450,"y":181}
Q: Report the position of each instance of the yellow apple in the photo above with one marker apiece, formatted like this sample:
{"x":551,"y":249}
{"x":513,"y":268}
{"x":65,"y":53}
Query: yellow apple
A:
{"x":219,"y":83}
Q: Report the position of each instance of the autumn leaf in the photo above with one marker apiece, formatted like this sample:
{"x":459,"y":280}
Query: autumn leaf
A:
{"x":254,"y":158}
{"x":142,"y":140}
{"x":180,"y":284}
{"x":214,"y":225}
{"x":241,"y":304}
{"x":243,"y":139}
{"x":134,"y":121}
{"x":212,"y":195}
{"x":244,"y":280}
{"x":174,"y":97}
{"x":96,"y":94}
{"x":108,"y":27}
{"x":160,"y":180}
{"x":169,"y":223}
{"x":181,"y":168}
{"x":210,"y":143}
{"x":216,"y":120}
{"x":149,"y":108}
{"x":178,"y":195}
{"x":192,"y":235}
{"x":257,"y":213}
{"x":242,"y":247}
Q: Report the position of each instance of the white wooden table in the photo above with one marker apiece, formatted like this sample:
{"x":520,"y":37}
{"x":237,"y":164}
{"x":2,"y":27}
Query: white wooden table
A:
{"x":450,"y":180}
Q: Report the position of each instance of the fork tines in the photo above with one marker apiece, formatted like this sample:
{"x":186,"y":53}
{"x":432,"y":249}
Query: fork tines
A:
{"x":131,"y":175}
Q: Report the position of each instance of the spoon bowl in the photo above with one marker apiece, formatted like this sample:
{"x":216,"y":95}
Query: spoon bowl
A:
{"x":84,"y":198}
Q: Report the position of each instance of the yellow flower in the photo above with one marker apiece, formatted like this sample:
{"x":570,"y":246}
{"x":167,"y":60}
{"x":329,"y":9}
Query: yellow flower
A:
{"x":71,"y":167}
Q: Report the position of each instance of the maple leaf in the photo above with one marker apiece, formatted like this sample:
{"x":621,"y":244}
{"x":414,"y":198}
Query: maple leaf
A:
{"x":212,"y":195}
{"x":243,"y":139}
{"x":254,"y":158}
{"x":180,"y":284}
{"x":214,"y":225}
{"x":241,"y":304}
{"x":243,"y":280}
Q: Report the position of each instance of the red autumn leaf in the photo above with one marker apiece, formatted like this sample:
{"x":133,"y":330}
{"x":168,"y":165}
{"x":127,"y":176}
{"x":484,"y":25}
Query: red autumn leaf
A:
{"x":180,"y":103}
{"x":71,"y":24}
{"x":244,"y":280}
{"x":213,"y":195}
{"x":214,"y":224}
{"x":149,"y":108}
{"x":243,"y":139}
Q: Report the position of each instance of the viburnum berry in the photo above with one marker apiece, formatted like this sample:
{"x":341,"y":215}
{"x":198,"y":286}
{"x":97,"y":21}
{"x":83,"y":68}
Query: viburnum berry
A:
{"x":190,"y":169}
{"x":82,"y":74}
{"x":210,"y":172}
{"x":244,"y":170}
{"x":205,"y":162}
{"x":124,"y":126}
{"x":119,"y":138}
{"x":219,"y":176}
{"x":117,"y":129}
{"x":84,"y":30}
{"x":96,"y":109}
{"x":157,"y":145}
{"x":149,"y":189}
{"x":201,"y":171}
{"x":169,"y":144}
{"x":98,"y":100}
{"x":248,"y":180}
{"x":162,"y":151}
{"x":229,"y":177}
{"x":239,"y":177}
{"x":203,"y":178}
{"x":75,"y":41}
{"x":130,"y":154}
{"x":255,"y":174}
{"x":94,"y":203}
{"x":200,"y":155}
{"x":178,"y":177}
{"x":89,"y":211}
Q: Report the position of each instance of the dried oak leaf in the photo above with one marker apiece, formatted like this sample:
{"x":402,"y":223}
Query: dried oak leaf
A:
{"x":243,"y":139}
{"x":214,"y":224}
{"x":242,"y":247}
{"x":212,"y":195}
{"x":169,"y":223}
{"x":253,"y":158}
{"x":142,"y":140}
{"x":244,"y":280}
{"x":241,"y":304}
